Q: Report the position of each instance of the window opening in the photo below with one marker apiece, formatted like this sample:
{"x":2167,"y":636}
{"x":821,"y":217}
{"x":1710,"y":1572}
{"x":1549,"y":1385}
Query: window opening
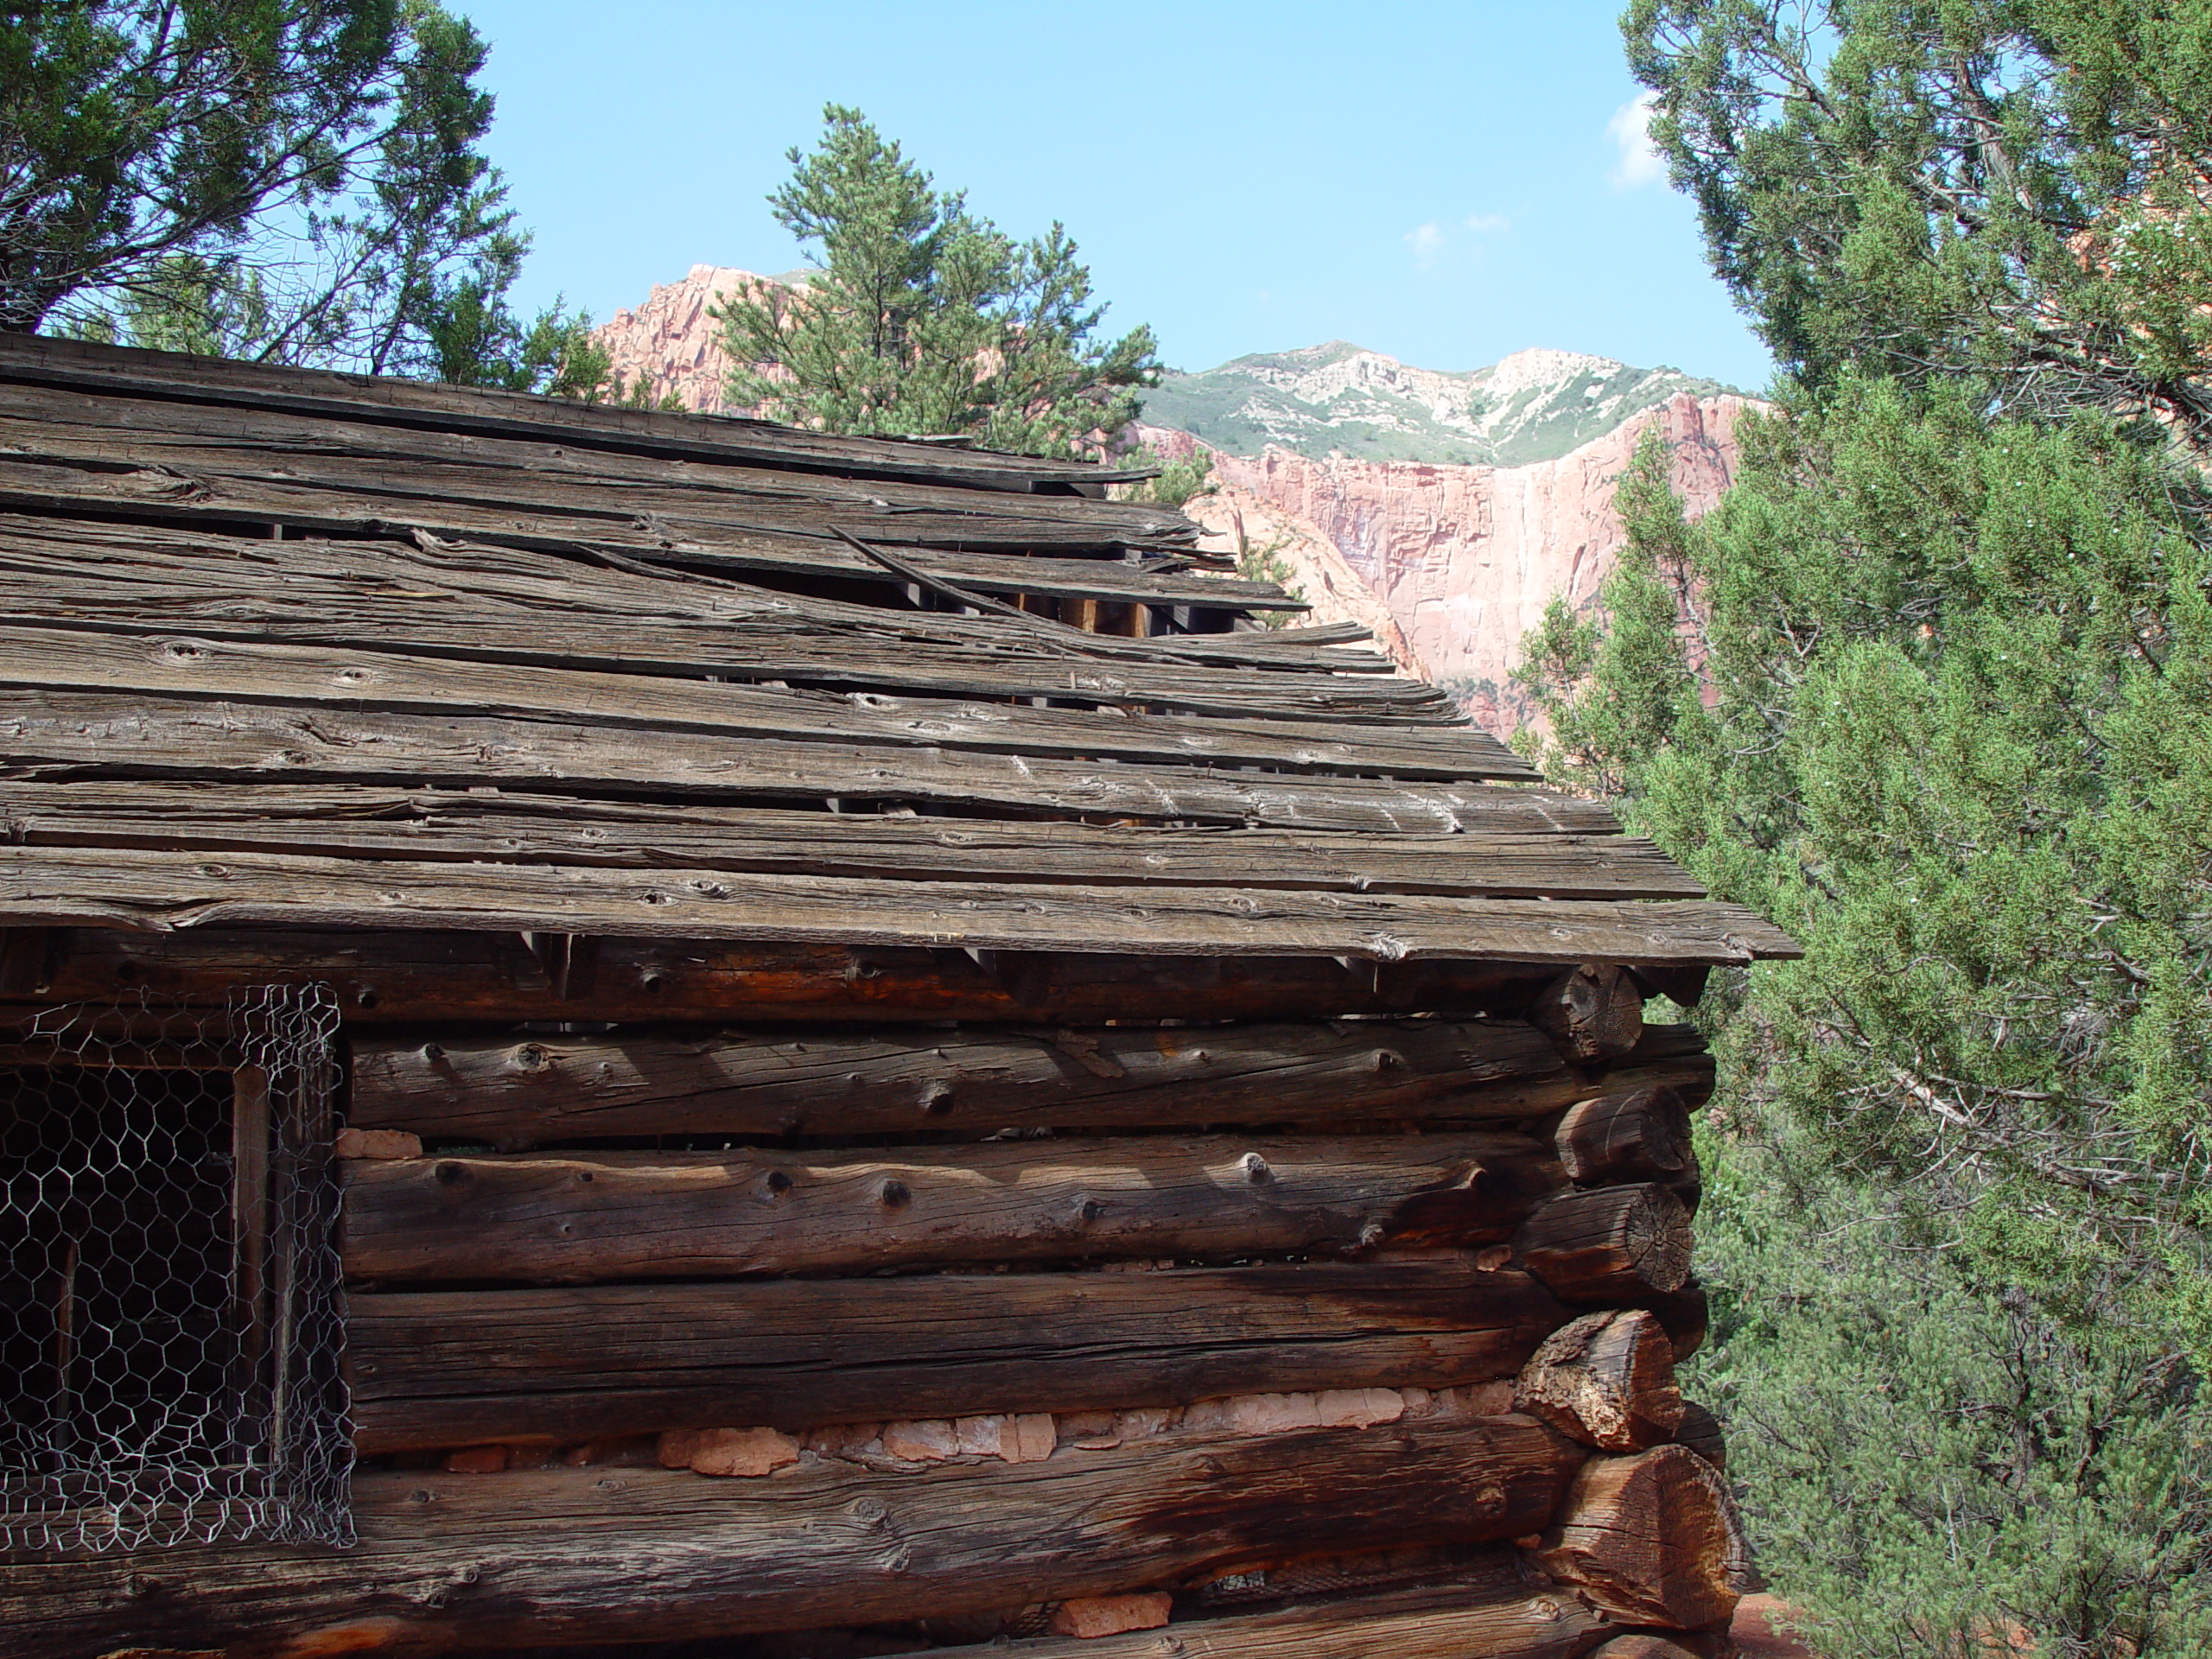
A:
{"x":170,"y":1299}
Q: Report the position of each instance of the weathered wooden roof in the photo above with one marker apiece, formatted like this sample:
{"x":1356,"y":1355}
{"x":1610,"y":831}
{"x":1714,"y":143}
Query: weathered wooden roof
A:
{"x":286,"y":648}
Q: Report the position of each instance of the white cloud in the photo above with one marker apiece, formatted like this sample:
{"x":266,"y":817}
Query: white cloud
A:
{"x":1434,"y":243}
{"x":1630,"y":129}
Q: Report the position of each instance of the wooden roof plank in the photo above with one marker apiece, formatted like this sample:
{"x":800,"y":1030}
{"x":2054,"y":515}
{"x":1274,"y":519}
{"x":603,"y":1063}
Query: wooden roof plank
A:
{"x":382,"y":596}
{"x":345,"y":454}
{"x":34,"y":659}
{"x":168,"y":891}
{"x":85,"y":366}
{"x":49,"y":735}
{"x":1522,"y":854}
{"x":146,"y":561}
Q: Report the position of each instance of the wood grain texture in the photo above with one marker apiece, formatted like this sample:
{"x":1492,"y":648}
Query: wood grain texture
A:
{"x":1644,"y":1135}
{"x":400,"y":977}
{"x":180,"y":665}
{"x":1613,"y":1244}
{"x":521,"y":1091}
{"x":132,"y":580}
{"x":1653,"y":1540}
{"x":1498,"y":1615}
{"x":168,"y":891}
{"x":1508,"y":850}
{"x":84,"y":366}
{"x":473,"y":1564}
{"x":576,"y":1218}
{"x":447,"y":1368}
{"x":61,"y":735}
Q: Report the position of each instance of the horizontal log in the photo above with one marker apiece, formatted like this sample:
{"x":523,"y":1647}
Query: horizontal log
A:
{"x":1644,"y":1135}
{"x":1524,"y":855}
{"x":1617,"y":1244}
{"x":575,"y":1218}
{"x":166,"y":891}
{"x":1594,"y":1011}
{"x":449,"y":1367}
{"x":384,"y":977}
{"x":1653,"y":1540}
{"x":525,"y":1092}
{"x":459,"y":1563}
{"x":1497,"y":1614}
{"x":355,"y":678}
{"x":1606,"y":1380}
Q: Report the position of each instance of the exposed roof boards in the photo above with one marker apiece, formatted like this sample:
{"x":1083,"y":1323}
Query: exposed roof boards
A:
{"x":283,"y":648}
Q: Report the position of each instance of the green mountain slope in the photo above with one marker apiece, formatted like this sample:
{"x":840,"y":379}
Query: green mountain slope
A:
{"x":1339,"y":399}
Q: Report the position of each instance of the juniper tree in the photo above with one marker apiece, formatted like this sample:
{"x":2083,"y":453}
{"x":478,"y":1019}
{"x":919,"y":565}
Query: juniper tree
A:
{"x":1928,"y":691}
{"x":294,"y":181}
{"x":1928,"y":686}
{"x":2013,"y":188}
{"x":920,"y":318}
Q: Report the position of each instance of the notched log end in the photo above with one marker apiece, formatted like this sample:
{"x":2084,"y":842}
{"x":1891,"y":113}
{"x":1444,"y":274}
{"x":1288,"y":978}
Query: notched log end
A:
{"x":1606,"y":1380}
{"x":1652,"y":1539}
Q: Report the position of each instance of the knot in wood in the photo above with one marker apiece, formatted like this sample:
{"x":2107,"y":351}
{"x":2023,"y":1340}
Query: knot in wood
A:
{"x":873,"y":1510}
{"x":1255,"y":1169}
{"x":450,"y":1174}
{"x":1490,"y":1500}
{"x":778,"y":1183}
{"x":895,"y":1194}
{"x":937,"y":1099}
{"x":531,"y":1057}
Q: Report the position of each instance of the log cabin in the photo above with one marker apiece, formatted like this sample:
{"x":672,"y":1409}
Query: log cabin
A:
{"x":645,"y":1033}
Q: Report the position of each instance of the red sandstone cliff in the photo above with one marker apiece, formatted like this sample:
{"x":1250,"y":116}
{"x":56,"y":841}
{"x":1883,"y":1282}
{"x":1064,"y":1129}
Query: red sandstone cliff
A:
{"x":1450,"y":565}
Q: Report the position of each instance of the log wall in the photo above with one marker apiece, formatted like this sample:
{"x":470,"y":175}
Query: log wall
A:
{"x":1044,"y":1332}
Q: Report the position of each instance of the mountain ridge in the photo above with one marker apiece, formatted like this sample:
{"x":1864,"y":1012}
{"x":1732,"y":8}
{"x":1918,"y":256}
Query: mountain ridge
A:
{"x":1340,"y":399}
{"x":1443,"y":510}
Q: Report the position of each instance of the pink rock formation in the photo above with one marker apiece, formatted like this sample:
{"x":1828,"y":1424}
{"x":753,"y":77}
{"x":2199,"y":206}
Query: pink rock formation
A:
{"x":673,"y":339}
{"x":1449,"y":566}
{"x":1463,"y":560}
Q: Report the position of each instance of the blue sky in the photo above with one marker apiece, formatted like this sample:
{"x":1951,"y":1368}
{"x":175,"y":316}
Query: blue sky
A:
{"x":1446,"y":183}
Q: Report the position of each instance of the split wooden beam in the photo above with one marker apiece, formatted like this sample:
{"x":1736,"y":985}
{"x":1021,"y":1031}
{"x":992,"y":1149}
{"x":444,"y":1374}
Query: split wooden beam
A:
{"x":580,"y":1218}
{"x":451,"y":1368}
{"x":462,"y":1564}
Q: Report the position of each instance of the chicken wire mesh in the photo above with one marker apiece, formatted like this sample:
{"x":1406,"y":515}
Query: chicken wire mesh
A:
{"x":170,"y":1312}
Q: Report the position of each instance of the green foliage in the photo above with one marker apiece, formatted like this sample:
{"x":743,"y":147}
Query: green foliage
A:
{"x":1927,"y":1461}
{"x":921,"y":319}
{"x":1927,"y":688}
{"x":1176,"y":484}
{"x":2015,"y":189}
{"x":293,"y":181}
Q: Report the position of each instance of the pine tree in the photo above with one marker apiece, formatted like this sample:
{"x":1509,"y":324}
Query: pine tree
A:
{"x":1928,"y":687}
{"x":920,"y":319}
{"x":292,"y":181}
